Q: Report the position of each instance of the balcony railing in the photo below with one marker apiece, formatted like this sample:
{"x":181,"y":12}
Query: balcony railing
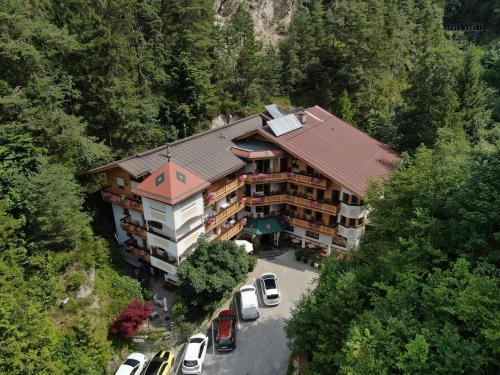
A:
{"x":285,"y":176}
{"x":123,"y":200}
{"x":232,"y":231}
{"x":219,"y":218}
{"x":315,"y":227}
{"x":266,"y":199}
{"x":133,"y":248}
{"x":231,"y":186}
{"x":131,"y":227}
{"x":278,"y":198}
{"x":165,"y":257}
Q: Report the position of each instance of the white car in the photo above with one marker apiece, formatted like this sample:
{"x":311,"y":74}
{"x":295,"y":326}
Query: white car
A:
{"x":195,"y":354}
{"x":133,"y":365}
{"x":270,"y":289}
{"x":249,"y":303}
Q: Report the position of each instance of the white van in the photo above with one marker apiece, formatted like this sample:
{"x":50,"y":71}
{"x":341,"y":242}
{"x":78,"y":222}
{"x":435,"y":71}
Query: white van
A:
{"x":249,"y":302}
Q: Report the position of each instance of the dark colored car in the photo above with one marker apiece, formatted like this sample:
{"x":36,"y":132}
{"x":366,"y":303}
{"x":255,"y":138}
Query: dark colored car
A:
{"x":226,"y":332}
{"x":160,"y":364}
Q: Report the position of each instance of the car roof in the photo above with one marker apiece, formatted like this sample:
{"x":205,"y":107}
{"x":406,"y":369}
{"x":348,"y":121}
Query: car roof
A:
{"x":137,"y":356}
{"x":227,"y":313}
{"x":224,"y":330}
{"x":193,"y":348}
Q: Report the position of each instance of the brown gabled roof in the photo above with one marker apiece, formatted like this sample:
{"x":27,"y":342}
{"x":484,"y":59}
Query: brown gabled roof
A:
{"x":337,"y":149}
{"x":171,"y":184}
{"x":205,"y":154}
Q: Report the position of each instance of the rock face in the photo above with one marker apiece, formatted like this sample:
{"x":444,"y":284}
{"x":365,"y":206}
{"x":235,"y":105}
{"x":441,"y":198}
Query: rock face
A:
{"x":270,"y":17}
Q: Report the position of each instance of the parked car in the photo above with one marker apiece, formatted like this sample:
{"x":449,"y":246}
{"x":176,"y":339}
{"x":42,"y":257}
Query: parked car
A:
{"x":249,"y":303}
{"x":195,"y":354}
{"x":226,"y":330}
{"x":270,"y":289}
{"x":133,"y":365}
{"x":160,"y":364}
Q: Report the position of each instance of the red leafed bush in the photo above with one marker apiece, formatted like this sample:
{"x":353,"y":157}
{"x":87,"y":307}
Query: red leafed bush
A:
{"x":127,"y":323}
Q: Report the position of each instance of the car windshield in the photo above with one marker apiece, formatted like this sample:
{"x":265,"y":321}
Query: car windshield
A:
{"x":153,"y":366}
{"x":131,"y":362}
{"x":190,"y":363}
{"x":247,"y":290}
{"x":272,"y":296}
{"x":224,"y":341}
{"x":196,"y":340}
{"x":270,"y":283}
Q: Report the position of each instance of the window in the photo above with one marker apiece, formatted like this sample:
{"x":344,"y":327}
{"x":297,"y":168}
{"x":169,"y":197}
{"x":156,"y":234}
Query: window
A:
{"x":312,"y":235}
{"x":345,"y":198}
{"x":155,"y":224}
{"x":248,"y":209}
{"x":343,"y":220}
{"x":310,"y":170}
{"x":158,"y":206}
{"x":335,"y":196}
{"x":202,"y":346}
{"x":308,"y":212}
{"x":319,"y":216}
{"x":126,"y":211}
{"x":361,"y":202}
{"x":292,"y":207}
{"x":232,"y":195}
{"x":259,"y":187}
{"x":294,"y":186}
{"x":352,"y":222}
{"x":361,"y":221}
{"x":309,"y":190}
{"x":320,"y":195}
{"x":333,"y":220}
{"x":354,"y":199}
{"x":120,"y":182}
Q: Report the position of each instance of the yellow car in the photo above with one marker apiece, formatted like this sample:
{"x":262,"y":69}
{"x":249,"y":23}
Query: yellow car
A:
{"x":160,"y":364}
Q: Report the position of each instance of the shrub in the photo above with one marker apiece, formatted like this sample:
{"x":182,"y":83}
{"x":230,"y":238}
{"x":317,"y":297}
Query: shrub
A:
{"x":257,"y":246}
{"x":299,"y":254}
{"x":128,"y":322}
{"x":179,"y":311}
{"x":252,"y":262}
{"x":75,"y":280}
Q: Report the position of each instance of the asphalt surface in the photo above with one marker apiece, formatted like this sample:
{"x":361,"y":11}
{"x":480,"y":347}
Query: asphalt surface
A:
{"x":261,"y":345}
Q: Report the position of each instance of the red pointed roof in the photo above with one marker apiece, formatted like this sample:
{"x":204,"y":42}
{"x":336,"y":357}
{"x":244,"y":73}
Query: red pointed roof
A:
{"x":171,"y":184}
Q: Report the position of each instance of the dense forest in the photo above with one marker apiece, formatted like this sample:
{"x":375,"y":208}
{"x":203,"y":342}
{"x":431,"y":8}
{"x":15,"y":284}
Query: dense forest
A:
{"x":86,"y":82}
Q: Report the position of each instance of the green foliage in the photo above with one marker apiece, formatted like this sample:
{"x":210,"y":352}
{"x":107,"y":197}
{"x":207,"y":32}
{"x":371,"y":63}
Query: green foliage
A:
{"x":420,"y":295}
{"x":75,"y":280}
{"x":211,"y":273}
{"x":179,"y":311}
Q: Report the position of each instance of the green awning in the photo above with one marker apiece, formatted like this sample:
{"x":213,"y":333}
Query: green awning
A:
{"x":265,"y":225}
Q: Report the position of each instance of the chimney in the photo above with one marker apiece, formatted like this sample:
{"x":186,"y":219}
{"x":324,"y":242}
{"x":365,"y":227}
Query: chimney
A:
{"x":169,"y":154}
{"x":302,"y":116}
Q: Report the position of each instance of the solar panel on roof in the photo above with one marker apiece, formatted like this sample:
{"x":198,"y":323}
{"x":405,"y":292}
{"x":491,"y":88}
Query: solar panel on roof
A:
{"x":273,"y":110}
{"x":284,"y":124}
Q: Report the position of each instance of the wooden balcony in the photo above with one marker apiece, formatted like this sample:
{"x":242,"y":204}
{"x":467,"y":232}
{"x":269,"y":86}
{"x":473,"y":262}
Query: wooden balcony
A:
{"x":266,"y":199}
{"x":219,"y":218}
{"x":312,"y":204}
{"x":130,"y":227}
{"x":285,"y":176}
{"x":121,"y":198}
{"x":133,"y":248}
{"x":292,"y":199}
{"x":312,"y":226}
{"x":231,"y":232}
{"x":231,"y":186}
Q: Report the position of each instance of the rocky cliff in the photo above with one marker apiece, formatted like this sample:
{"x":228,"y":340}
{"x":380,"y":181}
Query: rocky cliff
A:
{"x":271,"y":17}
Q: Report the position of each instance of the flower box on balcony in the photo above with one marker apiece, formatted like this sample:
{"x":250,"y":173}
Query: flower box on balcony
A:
{"x":210,"y":221}
{"x":211,"y":196}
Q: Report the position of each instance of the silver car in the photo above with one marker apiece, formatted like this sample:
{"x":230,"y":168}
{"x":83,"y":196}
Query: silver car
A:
{"x":270,"y":289}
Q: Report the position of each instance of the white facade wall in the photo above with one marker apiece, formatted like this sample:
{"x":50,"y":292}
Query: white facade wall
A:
{"x":117,"y":216}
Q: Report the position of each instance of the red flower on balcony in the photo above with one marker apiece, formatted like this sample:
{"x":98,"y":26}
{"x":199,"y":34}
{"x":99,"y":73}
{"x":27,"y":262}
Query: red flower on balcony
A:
{"x":210,"y":220}
{"x":134,"y":203}
{"x":243,"y":200}
{"x":243,"y":177}
{"x":258,"y":199}
{"x":211,"y":196}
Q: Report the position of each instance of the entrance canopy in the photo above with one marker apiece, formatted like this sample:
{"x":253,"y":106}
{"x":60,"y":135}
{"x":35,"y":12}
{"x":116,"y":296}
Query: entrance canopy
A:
{"x":266,"y":225}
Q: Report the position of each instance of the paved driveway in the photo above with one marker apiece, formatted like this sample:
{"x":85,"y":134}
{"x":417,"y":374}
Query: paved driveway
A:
{"x":261,"y":344}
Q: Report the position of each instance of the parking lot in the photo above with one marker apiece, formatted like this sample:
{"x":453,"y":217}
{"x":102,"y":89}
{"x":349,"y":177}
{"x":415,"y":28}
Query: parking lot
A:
{"x":261,"y":345}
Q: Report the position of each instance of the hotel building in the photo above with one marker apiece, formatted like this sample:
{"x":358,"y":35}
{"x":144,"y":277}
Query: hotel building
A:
{"x":308,"y":170}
